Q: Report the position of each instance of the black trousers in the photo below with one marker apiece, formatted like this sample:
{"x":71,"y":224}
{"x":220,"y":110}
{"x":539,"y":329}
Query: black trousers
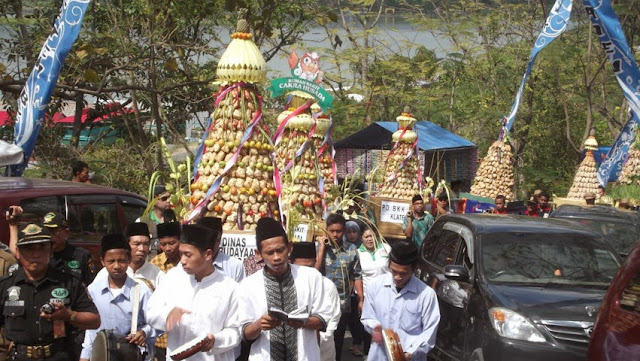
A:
{"x":367,"y":342}
{"x":355,"y":326}
{"x":338,"y":335}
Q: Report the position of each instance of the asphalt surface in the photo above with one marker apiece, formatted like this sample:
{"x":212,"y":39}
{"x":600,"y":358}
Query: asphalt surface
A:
{"x":346,"y":349}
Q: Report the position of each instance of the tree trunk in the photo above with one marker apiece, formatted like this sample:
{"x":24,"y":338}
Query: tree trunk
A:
{"x":77,"y":121}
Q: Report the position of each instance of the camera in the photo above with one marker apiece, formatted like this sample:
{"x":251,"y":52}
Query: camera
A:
{"x":47,"y":308}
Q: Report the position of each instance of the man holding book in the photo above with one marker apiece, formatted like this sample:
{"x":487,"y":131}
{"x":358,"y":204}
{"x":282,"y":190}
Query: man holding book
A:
{"x":295,"y":296}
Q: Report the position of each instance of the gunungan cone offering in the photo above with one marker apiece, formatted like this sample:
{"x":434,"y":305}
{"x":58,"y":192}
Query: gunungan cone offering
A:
{"x":403,"y":179}
{"x":586,"y":180}
{"x":235,"y":176}
{"x":495,"y":173}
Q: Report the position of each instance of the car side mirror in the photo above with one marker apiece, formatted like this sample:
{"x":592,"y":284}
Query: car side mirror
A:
{"x":456,"y":273}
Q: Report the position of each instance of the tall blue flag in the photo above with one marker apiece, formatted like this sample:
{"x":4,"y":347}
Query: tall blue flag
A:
{"x":607,"y":27}
{"x":37,"y":91}
{"x":556,"y":24}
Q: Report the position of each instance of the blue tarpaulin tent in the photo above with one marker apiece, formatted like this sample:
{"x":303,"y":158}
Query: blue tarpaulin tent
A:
{"x":445,"y":155}
{"x":378,"y":135}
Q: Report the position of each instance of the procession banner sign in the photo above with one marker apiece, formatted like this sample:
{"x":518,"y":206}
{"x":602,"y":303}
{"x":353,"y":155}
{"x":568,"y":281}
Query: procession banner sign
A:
{"x":390,"y":214}
{"x":238,"y":244}
{"x":38,"y":88}
{"x":607,"y":27}
{"x":555,"y":25}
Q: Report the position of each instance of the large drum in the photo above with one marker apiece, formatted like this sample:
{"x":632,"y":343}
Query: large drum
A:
{"x":392,"y":345}
{"x":109,"y":347}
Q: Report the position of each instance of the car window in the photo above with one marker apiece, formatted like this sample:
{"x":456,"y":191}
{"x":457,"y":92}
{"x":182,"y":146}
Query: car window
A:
{"x":621,"y":235}
{"x":443,"y":251}
{"x":34,"y":209}
{"x":630,"y":298}
{"x":91,"y":217}
{"x":547,"y":258}
{"x":132,"y":208}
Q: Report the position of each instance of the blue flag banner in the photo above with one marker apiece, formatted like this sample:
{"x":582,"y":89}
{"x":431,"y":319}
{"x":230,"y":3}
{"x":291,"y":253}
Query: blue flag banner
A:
{"x":37,"y":91}
{"x":556,"y":24}
{"x":607,"y":27}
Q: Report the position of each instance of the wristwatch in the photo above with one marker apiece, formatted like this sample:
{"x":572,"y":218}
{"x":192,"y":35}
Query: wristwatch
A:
{"x":74,"y":314}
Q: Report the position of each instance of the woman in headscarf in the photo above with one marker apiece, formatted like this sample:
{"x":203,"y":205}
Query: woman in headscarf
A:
{"x":352,"y":233}
{"x":374,"y":261}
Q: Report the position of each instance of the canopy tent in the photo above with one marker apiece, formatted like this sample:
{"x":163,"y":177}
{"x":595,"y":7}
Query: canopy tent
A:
{"x":444,"y":155}
{"x":378,"y":136}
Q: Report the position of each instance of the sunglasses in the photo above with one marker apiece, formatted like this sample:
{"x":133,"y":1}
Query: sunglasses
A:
{"x":164,"y":199}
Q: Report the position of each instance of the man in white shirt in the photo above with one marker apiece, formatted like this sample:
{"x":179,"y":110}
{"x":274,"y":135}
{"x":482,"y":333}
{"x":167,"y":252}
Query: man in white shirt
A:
{"x":304,"y":254}
{"x":196,"y":300}
{"x":288,"y":288}
{"x":401,"y":302}
{"x":138,"y":235}
{"x":230,"y":266}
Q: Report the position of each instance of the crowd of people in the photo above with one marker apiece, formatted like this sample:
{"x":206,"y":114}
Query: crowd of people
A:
{"x":290,"y":301}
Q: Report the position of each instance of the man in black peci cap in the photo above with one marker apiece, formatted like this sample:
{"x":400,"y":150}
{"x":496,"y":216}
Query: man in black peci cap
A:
{"x":289,"y":288}
{"x":66,"y":256}
{"x":197,"y":300}
{"x":137,"y":234}
{"x":41,"y":306}
{"x":401,"y":302}
{"x":230,"y":266}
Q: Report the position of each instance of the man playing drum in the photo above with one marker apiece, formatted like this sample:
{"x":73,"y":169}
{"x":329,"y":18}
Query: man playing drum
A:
{"x":197,"y":302}
{"x":115,"y":297}
{"x":401,"y":302}
{"x":285,"y":287}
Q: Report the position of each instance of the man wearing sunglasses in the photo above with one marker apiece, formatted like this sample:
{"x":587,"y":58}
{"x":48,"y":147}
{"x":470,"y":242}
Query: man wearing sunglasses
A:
{"x":161,"y":213}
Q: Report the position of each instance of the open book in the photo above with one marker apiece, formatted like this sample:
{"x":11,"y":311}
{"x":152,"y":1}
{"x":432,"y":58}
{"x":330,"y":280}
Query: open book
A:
{"x":300,"y":314}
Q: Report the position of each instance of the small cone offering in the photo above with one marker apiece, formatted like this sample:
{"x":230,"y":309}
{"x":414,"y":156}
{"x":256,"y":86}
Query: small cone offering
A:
{"x":402,"y":178}
{"x":586,"y":180}
{"x":235,"y":174}
{"x":495,"y":173}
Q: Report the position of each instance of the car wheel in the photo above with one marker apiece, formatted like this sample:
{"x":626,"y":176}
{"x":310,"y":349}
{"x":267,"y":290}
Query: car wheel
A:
{"x":477,"y":355}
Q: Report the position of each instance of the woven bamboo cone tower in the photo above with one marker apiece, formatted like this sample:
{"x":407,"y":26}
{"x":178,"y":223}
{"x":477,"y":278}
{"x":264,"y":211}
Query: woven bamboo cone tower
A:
{"x":402,"y":180}
{"x":586,"y":180}
{"x":495,"y":173}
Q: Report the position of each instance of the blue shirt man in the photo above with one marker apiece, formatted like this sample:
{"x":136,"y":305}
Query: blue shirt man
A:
{"x":401,"y":302}
{"x":114,"y":296}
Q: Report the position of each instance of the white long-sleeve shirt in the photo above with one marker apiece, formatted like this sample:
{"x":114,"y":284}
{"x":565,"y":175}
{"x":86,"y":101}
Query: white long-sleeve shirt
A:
{"x":310,"y":293}
{"x":412,"y":312}
{"x":327,"y":342}
{"x":213,"y":307}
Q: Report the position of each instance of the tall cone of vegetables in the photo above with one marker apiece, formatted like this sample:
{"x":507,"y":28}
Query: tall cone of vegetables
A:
{"x":324,"y":146}
{"x":296,"y":157}
{"x":586,"y":179}
{"x":402,"y":179}
{"x":235,"y":176}
{"x":630,"y":173}
{"x":495,"y":173}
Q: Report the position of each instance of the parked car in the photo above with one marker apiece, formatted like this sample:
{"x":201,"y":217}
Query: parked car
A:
{"x":91,"y":210}
{"x":621,"y":228}
{"x":515,"y":287}
{"x":616,"y":335}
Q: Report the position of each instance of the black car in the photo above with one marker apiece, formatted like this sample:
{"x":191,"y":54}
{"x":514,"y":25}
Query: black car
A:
{"x":621,"y":228}
{"x":515,"y":287}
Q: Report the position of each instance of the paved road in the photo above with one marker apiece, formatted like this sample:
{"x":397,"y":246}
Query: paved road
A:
{"x":346,"y":352}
